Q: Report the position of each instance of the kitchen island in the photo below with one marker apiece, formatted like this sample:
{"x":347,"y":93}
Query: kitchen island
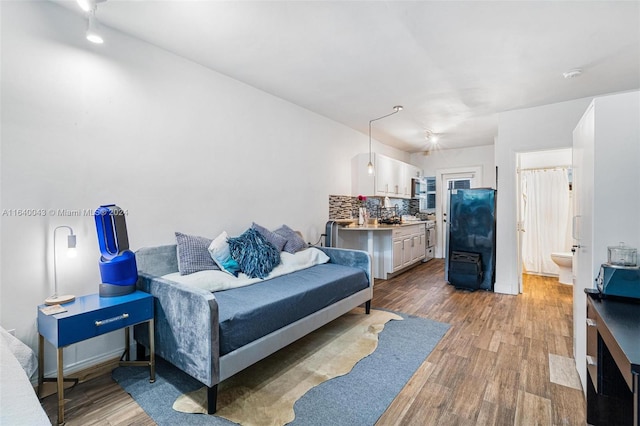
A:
{"x":393,"y":248}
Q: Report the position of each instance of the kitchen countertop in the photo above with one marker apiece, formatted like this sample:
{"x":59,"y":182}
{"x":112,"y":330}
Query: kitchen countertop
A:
{"x":381,"y":227}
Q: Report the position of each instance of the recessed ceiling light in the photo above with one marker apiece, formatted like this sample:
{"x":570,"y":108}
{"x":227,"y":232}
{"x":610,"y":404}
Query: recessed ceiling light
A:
{"x":572,"y":73}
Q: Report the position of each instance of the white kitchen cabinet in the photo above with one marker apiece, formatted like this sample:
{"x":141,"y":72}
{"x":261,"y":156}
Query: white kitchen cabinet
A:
{"x":387,"y":176}
{"x":606,"y":196}
{"x":392,"y":178}
{"x":392,"y":248}
{"x":408,"y":172}
{"x":408,"y":246}
{"x":420,"y":247}
{"x":413,"y":171}
{"x":397,"y":253}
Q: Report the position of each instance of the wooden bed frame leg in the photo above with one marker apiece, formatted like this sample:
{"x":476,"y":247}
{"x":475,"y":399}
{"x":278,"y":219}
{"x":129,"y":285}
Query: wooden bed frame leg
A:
{"x":367,"y":307}
{"x":212,"y":398}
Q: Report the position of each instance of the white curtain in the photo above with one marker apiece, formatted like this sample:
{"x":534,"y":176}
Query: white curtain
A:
{"x":546,"y":209}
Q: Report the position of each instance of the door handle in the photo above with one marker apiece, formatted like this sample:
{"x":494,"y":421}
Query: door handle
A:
{"x":574,"y":227}
{"x":574,"y":247}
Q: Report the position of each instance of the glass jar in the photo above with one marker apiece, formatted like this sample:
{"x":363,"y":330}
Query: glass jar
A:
{"x":622,"y":255}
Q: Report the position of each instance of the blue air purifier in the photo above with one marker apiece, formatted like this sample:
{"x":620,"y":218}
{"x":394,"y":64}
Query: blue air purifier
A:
{"x":118,"y":267}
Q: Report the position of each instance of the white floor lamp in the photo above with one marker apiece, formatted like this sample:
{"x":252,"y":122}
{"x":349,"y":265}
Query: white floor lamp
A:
{"x":71,"y":252}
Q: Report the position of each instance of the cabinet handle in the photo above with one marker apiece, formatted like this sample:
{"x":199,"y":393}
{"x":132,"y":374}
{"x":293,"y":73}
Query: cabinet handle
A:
{"x":591,"y":361}
{"x":110,"y":320}
{"x":591,"y":323}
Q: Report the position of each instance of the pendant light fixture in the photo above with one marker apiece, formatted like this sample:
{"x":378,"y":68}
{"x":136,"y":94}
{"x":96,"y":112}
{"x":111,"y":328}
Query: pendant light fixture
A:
{"x":396,"y":109}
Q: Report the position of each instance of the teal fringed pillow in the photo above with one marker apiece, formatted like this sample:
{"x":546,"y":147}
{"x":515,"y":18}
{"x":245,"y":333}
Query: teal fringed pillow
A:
{"x":254,"y":254}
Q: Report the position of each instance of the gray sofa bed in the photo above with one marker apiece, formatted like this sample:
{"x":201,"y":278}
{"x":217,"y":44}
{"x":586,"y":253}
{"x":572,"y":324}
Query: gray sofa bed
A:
{"x":212,"y":336}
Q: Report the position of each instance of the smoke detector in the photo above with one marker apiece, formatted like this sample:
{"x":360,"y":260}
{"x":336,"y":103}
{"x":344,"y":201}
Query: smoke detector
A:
{"x":576,"y":72}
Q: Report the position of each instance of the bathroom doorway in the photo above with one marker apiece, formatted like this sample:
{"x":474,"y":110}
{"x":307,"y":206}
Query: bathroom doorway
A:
{"x":544,"y":210}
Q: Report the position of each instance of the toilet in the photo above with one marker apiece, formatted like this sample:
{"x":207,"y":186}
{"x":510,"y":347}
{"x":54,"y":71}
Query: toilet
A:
{"x":564,"y":262}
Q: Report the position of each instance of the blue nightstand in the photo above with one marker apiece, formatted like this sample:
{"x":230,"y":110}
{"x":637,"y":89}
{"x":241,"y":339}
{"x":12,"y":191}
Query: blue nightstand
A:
{"x":91,"y":316}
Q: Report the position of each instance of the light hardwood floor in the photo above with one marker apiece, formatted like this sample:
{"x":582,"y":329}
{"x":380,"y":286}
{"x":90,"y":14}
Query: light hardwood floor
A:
{"x":491,"y":368}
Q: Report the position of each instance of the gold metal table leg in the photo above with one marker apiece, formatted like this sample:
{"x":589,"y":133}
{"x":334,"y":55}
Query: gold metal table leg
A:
{"x":60,"y":388}
{"x":40,"y":363}
{"x":152,"y":354}
{"x":152,"y":351}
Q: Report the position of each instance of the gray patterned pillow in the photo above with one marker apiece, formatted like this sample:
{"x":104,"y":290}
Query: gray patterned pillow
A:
{"x":193,"y":254}
{"x":294,"y":243}
{"x":278,"y":241}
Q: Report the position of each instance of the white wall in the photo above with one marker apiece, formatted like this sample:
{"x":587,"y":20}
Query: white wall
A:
{"x":482,"y":156}
{"x":547,"y":158}
{"x":531,"y":129}
{"x":178,"y":146}
{"x":436,"y":162}
{"x":607,"y":144}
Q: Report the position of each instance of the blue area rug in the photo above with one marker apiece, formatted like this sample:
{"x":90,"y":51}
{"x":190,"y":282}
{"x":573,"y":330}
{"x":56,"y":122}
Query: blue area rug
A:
{"x":357,"y":398}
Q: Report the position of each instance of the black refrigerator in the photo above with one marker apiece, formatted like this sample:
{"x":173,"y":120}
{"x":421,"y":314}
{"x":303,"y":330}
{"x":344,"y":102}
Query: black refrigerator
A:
{"x":471,"y":238}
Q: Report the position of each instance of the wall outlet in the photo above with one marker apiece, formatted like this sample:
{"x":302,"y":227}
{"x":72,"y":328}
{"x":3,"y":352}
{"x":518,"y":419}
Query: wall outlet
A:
{"x":12,"y":331}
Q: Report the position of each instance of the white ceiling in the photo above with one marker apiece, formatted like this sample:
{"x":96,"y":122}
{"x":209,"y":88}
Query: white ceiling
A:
{"x":452,"y":65}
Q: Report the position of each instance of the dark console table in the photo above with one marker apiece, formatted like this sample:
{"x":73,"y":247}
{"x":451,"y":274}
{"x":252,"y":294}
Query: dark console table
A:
{"x":613,"y":361}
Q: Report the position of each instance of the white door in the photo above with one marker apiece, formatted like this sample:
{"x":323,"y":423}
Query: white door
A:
{"x":452,"y":181}
{"x":583,"y":185}
{"x":519,"y":223}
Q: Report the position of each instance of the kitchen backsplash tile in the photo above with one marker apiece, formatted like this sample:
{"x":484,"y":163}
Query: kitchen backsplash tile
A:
{"x":346,"y":206}
{"x":341,"y":206}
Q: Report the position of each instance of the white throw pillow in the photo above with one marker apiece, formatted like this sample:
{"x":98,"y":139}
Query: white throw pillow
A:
{"x":219,"y":251}
{"x":304,"y":258}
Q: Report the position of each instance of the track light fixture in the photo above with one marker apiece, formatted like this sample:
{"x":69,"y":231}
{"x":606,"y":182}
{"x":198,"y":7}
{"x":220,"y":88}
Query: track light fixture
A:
{"x":89,"y":5}
{"x":396,"y":109}
{"x":93,"y":27}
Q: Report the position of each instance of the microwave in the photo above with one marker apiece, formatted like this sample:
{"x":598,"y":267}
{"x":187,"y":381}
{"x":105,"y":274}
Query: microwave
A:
{"x":418,"y":188}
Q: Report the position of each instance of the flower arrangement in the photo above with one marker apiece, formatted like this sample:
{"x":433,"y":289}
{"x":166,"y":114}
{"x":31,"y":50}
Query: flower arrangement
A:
{"x":362,"y":209}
